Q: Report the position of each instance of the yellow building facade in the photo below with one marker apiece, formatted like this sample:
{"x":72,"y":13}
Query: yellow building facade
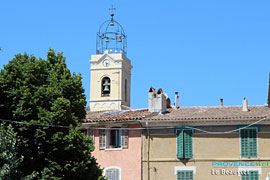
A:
{"x":218,"y":149}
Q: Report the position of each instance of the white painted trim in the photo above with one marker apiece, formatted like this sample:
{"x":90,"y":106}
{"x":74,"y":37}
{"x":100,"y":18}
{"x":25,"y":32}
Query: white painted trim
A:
{"x":113,"y":167}
{"x":259,"y":169}
{"x":113,"y":149}
{"x":184,"y":168}
{"x":103,"y":76}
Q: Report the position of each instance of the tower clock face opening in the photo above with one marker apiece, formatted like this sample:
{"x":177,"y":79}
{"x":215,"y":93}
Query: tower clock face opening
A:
{"x":106,"y":63}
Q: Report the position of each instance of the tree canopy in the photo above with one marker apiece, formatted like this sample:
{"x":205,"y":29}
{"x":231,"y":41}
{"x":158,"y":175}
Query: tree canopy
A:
{"x":41,"y":91}
{"x":9,"y":159}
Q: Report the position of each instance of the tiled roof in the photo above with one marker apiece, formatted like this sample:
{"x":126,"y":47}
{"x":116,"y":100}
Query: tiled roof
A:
{"x":213,"y":113}
{"x":109,"y":116}
{"x":183,"y":113}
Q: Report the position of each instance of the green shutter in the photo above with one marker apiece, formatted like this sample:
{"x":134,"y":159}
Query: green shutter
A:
{"x":244,"y":143}
{"x":184,"y":175}
{"x":250,"y":175}
{"x":180,"y":175}
{"x":254,"y":175}
{"x":244,"y":177}
{"x":253,"y":143}
{"x":248,"y":143}
{"x":188,"y":144}
{"x":180,"y":144}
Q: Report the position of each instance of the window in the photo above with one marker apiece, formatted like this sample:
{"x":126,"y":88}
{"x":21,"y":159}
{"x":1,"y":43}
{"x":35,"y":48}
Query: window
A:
{"x":116,"y":137}
{"x":89,"y":132}
{"x":113,"y":173}
{"x":184,"y":144}
{"x":184,"y":175}
{"x":250,"y":175}
{"x":105,"y":86}
{"x":102,"y":143}
{"x":248,"y":143}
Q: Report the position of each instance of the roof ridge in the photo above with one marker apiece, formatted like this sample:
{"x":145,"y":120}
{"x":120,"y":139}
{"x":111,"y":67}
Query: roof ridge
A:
{"x":186,"y":107}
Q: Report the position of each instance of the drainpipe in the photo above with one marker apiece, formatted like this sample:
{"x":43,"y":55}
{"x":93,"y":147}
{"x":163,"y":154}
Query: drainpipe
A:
{"x":142,"y":146}
{"x":148,"y":152}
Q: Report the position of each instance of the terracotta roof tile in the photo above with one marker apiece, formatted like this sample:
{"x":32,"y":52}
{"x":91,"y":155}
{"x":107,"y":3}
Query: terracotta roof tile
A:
{"x":115,"y":116}
{"x":183,"y":113}
{"x":213,"y":112}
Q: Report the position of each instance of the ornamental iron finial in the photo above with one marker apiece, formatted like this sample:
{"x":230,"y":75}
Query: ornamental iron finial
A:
{"x":111,"y":36}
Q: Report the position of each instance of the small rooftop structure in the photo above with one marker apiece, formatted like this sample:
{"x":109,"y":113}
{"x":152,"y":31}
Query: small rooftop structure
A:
{"x":111,"y":36}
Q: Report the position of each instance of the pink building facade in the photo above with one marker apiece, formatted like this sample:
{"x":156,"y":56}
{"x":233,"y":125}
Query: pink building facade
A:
{"x":118,"y":143}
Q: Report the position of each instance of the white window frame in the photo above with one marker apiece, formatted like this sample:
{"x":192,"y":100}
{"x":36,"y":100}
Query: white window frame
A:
{"x":107,"y":140}
{"x":184,"y":168}
{"x":113,"y":167}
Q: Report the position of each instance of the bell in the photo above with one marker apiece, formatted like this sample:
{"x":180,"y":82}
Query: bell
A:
{"x":120,"y":39}
{"x":106,"y":88}
{"x":107,"y":39}
{"x":112,"y":23}
{"x":102,"y":36}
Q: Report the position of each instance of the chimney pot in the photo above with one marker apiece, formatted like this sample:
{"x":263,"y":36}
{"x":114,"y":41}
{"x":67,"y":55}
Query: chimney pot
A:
{"x":221,"y":102}
{"x":157,"y":102}
{"x":176,"y":103}
{"x":245,"y":104}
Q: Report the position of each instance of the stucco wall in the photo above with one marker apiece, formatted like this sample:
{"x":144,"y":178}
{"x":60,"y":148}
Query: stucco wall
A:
{"x":206,"y":149}
{"x":129,"y":160}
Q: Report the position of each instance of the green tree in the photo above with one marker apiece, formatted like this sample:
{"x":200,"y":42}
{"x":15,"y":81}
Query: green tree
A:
{"x":9,"y":159}
{"x":45,"y":92}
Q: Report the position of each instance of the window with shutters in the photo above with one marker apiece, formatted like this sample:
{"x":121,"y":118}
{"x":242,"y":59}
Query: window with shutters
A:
{"x":102,"y":140}
{"x":184,"y":175}
{"x":251,"y":175}
{"x":184,"y":144}
{"x":113,"y":173}
{"x":113,"y":138}
{"x":89,"y":132}
{"x":248,"y":143}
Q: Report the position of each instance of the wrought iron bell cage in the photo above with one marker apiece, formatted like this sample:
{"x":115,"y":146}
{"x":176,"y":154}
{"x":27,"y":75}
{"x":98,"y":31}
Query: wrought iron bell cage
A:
{"x":111,"y":36}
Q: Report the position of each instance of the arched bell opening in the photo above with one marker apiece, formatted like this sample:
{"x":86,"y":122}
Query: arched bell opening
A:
{"x":106,"y":86}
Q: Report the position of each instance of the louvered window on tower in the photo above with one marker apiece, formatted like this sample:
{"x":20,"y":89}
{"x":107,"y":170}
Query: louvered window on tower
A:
{"x":184,"y":144}
{"x":249,"y":143}
{"x":184,"y":175}
{"x":250,"y":175}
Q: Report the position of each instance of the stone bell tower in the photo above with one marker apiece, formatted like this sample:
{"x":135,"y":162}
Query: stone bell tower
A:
{"x":110,"y":69}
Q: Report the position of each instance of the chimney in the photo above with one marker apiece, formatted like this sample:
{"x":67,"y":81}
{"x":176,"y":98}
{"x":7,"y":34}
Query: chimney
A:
{"x":151,"y":95}
{"x":176,"y":104}
{"x":157,"y":102}
{"x":245,"y":104}
{"x":268,"y":102}
{"x":221,"y":102}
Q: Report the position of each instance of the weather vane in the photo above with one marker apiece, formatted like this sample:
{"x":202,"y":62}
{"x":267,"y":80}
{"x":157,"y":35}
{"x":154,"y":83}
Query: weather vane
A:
{"x":112,"y":9}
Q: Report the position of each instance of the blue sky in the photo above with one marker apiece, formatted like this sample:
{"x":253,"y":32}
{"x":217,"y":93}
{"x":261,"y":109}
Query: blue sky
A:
{"x":202,"y":49}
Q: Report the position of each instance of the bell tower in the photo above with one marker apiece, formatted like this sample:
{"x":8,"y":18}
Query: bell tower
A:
{"x":110,"y":69}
